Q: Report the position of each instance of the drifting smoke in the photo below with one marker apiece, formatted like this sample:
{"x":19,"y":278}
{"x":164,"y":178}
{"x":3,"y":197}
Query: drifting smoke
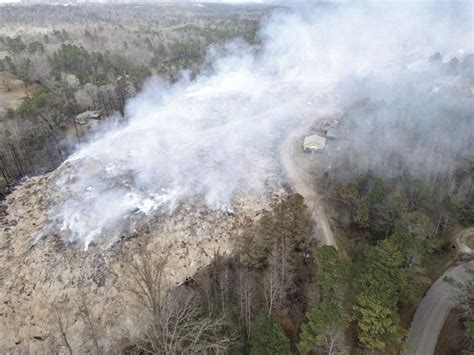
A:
{"x":215,"y":137}
{"x":422,"y":124}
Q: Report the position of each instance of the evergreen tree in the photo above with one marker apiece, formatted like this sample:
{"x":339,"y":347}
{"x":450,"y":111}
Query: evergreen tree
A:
{"x":381,"y":281}
{"x":287,"y":225}
{"x":268,"y":338}
{"x":324,"y":330}
{"x":327,"y":321}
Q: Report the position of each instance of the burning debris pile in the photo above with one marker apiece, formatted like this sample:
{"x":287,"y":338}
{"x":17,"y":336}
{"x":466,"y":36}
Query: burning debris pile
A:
{"x":209,"y":141}
{"x":39,"y":273}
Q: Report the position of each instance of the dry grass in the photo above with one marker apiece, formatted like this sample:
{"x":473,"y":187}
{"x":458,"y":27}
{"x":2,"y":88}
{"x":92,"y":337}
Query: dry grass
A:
{"x":3,"y":54}
{"x":12,"y":91}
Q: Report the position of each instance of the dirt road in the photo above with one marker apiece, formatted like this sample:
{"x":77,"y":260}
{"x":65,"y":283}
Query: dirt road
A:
{"x":433,"y":311}
{"x":295,"y":164}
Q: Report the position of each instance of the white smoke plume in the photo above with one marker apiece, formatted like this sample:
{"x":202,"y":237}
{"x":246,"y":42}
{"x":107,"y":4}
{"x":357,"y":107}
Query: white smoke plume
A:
{"x":216,"y":136}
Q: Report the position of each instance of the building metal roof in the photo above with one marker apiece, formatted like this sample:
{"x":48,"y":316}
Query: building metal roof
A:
{"x":332,"y":134}
{"x":314,"y":142}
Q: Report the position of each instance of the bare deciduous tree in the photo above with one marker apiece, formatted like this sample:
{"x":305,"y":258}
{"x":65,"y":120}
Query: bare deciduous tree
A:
{"x":91,"y":318}
{"x":464,"y":295}
{"x":272,"y":282}
{"x":173,"y":319}
{"x":246,"y":290}
{"x":59,"y":315}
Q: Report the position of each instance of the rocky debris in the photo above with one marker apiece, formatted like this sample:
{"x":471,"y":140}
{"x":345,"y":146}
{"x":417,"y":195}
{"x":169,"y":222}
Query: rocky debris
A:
{"x":84,"y":117}
{"x":188,"y":281}
{"x":3,"y":213}
{"x":42,"y":273}
{"x":326,"y":127}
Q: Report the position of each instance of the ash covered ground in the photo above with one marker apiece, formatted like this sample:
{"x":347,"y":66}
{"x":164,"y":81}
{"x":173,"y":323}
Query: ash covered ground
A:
{"x":37,"y":272}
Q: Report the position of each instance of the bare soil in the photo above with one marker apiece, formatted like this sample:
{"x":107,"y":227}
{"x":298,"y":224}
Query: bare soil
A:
{"x":12,"y":91}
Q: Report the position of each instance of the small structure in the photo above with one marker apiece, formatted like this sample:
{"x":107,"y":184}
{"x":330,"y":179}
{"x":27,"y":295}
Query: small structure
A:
{"x":331,"y":133}
{"x":84,"y":117}
{"x":314,"y":143}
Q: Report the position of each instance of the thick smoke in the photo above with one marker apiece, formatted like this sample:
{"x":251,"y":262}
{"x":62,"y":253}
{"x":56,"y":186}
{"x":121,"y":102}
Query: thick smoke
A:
{"x":421,"y":124}
{"x":216,"y":137}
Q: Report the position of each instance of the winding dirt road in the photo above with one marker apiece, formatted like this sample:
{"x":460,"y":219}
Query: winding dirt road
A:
{"x":433,"y":311}
{"x":295,"y":164}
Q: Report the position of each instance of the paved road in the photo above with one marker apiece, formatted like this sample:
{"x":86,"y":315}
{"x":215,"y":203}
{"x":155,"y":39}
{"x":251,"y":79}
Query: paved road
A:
{"x":433,"y":311}
{"x":293,"y":162}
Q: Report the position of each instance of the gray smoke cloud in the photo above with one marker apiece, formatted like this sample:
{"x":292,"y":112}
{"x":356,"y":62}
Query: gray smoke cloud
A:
{"x":216,"y":137}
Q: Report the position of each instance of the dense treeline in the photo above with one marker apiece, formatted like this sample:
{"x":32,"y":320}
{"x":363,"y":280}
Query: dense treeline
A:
{"x":399,"y":235}
{"x":163,"y":15}
{"x":377,"y":207}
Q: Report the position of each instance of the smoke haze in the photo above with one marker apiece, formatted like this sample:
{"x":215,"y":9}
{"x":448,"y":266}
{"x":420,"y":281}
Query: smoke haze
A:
{"x":216,"y":137}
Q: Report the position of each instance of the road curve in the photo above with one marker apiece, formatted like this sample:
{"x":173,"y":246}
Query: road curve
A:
{"x":291,"y":160}
{"x":433,"y":311}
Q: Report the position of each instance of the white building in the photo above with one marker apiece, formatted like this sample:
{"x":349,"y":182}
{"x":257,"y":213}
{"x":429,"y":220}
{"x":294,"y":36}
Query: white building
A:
{"x":314,"y":143}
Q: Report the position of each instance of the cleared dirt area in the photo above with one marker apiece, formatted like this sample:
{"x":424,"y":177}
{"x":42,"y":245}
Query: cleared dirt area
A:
{"x":3,"y":54}
{"x":12,"y":91}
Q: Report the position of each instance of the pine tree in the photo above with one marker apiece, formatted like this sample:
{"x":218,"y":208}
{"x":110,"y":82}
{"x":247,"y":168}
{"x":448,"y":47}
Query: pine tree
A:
{"x":324,"y":330}
{"x":381,"y":280}
{"x":268,"y":338}
{"x":327,"y":321}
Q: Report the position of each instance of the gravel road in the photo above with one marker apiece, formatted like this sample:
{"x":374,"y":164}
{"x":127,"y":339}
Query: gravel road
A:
{"x":295,"y":165}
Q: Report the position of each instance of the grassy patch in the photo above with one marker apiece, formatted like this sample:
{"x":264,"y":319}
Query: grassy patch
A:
{"x":12,"y":91}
